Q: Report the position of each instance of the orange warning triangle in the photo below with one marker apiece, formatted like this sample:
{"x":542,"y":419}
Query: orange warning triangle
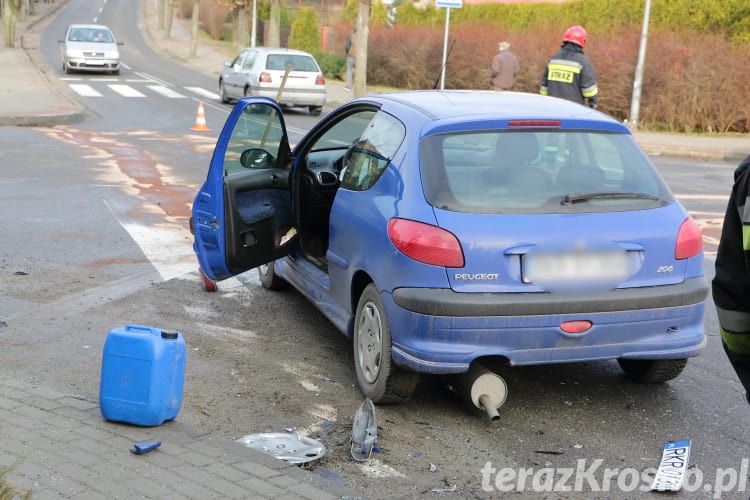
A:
{"x":200,"y":120}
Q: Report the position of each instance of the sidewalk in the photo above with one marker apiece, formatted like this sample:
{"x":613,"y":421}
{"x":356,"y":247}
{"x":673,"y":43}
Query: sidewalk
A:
{"x":63,"y":448}
{"x":43,"y":101}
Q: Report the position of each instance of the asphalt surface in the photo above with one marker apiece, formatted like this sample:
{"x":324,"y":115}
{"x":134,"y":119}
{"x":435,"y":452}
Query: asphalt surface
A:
{"x":60,"y":442}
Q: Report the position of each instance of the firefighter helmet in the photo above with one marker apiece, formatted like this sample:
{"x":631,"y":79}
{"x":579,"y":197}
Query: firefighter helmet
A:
{"x":576,"y":35}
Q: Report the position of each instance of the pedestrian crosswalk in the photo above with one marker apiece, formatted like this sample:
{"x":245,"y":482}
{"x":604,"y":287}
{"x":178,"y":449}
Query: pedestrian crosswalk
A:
{"x":134,"y":88}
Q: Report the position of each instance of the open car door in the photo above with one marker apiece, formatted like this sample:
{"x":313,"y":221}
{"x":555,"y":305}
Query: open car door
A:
{"x":244,"y":209}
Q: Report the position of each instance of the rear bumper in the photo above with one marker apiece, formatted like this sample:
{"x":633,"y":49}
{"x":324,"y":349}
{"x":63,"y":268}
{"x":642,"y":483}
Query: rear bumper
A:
{"x":440,"y":331}
{"x":292,"y":97}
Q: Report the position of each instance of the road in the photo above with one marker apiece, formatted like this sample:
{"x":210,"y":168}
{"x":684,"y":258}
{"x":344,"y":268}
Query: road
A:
{"x":95,"y":237}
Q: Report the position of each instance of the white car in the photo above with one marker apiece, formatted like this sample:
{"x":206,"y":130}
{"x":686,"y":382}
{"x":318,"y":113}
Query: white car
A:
{"x":90,"y":47}
{"x":260,"y":71}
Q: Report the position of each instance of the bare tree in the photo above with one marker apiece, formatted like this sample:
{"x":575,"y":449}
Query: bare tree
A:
{"x":238,"y":8}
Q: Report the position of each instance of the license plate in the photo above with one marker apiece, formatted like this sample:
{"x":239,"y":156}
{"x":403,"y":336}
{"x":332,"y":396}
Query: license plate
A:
{"x":94,"y":62}
{"x":673,"y":466}
{"x":609,"y":266}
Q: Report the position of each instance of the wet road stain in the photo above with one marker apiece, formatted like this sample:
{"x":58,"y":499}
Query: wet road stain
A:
{"x":146,"y":176}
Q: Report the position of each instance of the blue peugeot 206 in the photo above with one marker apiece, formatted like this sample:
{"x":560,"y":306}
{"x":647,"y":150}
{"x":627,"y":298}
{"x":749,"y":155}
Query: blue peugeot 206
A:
{"x":442,"y":229}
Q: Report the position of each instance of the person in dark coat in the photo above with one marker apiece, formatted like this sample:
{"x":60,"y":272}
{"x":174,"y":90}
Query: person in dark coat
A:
{"x":731,"y":284}
{"x":569,"y":74}
{"x":505,"y":67}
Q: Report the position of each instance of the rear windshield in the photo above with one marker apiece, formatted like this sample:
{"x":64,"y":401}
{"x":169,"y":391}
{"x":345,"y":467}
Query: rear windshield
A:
{"x":298,"y":62}
{"x":538,"y":172}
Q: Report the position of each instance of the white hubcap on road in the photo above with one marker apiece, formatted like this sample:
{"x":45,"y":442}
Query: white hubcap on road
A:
{"x":370,"y":342}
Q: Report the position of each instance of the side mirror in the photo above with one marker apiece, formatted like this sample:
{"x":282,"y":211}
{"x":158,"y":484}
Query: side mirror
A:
{"x":228,"y":64}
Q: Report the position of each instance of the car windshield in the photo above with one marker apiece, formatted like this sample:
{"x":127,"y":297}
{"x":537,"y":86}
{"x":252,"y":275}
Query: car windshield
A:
{"x":297,"y":62}
{"x":96,"y":35}
{"x":538,"y":171}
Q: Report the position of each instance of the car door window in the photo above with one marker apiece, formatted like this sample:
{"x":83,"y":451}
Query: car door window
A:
{"x":372,"y":152}
{"x":255,"y":141}
{"x":249,"y":60}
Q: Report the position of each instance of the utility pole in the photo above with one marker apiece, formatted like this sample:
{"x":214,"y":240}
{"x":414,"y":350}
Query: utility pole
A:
{"x":253,"y":33}
{"x":635,"y":102}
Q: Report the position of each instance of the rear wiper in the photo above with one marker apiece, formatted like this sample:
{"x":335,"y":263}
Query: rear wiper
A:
{"x":569,"y":199}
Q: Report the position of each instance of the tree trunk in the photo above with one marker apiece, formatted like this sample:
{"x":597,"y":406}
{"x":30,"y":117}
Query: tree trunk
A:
{"x":235,"y":30}
{"x":170,"y":16}
{"x":160,"y":13}
{"x":360,"y":49}
{"x":194,"y":31}
{"x":243,"y":36}
{"x":274,"y":24}
{"x":10,"y":12}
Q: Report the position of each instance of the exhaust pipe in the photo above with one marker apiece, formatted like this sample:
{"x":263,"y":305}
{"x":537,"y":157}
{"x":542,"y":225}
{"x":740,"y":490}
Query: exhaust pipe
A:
{"x":485,"y":389}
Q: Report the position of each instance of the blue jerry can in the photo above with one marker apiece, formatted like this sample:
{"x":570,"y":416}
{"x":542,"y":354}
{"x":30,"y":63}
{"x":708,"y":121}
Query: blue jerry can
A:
{"x":143,"y":371}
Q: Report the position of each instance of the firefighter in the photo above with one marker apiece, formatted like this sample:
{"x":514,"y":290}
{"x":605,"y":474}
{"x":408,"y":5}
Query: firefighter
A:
{"x":569,"y":74}
{"x":731,"y":284}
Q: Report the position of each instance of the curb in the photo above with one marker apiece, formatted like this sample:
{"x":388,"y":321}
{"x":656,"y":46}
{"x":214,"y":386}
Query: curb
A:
{"x":684,"y":152}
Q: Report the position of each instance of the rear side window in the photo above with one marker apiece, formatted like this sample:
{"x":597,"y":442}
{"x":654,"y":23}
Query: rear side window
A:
{"x":538,"y":171}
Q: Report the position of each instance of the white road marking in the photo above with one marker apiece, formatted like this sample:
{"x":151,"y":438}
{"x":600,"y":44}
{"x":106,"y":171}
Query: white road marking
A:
{"x":719,"y":197}
{"x":84,"y":90}
{"x":203,"y":92}
{"x":126,"y":91}
{"x":166,"y":249}
{"x":166,"y":92}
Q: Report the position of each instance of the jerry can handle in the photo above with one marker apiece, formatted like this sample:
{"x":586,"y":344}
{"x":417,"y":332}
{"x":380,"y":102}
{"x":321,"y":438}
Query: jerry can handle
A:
{"x":146,"y":329}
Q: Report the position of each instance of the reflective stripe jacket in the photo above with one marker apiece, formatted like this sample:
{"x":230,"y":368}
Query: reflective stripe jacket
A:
{"x":570,"y":75}
{"x":731,"y":285}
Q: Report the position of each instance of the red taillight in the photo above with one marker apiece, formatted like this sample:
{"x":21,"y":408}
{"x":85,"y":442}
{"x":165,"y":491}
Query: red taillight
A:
{"x":577,"y":326}
{"x":689,"y":240}
{"x":426,"y":243}
{"x":264,"y":77}
{"x":319,"y":80}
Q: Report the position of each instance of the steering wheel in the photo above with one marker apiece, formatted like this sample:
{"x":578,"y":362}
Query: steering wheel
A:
{"x":257,"y":158}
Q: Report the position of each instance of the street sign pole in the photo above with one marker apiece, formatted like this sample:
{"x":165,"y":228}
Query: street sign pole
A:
{"x":448,"y":4}
{"x":445,"y":47}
